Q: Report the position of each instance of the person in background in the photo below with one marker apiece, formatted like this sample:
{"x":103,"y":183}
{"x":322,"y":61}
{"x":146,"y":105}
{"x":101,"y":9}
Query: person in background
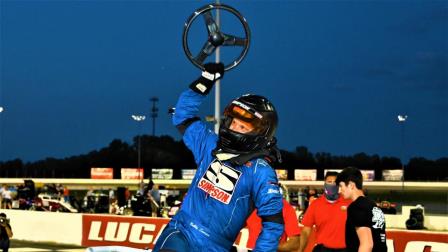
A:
{"x":1,"y":195}
{"x":328,"y":214}
{"x":290,"y":239}
{"x":365,"y":228}
{"x":312,"y":195}
{"x":113,"y":203}
{"x":155,"y":193}
{"x":127,"y":194}
{"x":301,"y":199}
{"x":141,"y":188}
{"x":90,"y":192}
{"x":66,"y":194}
{"x":154,"y":197}
{"x":5,"y":232}
{"x":60,"y":190}
{"x":111,"y":195}
{"x":6,"y":197}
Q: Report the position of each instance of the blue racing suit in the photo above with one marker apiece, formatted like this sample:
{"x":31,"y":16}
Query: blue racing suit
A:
{"x":221,"y":195}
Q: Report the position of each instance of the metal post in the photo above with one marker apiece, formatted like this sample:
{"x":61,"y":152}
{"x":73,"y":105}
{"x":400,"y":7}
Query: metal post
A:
{"x":1,"y":134}
{"x":154,"y":114}
{"x":139,"y":155}
{"x":401,"y":121}
{"x":218,"y":82}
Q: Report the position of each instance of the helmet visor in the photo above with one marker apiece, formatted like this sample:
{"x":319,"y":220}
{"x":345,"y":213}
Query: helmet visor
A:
{"x":249,"y":123}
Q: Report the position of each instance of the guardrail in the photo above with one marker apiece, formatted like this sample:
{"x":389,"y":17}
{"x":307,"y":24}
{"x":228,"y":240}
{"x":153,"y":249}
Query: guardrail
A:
{"x":140,"y":232}
{"x":132,"y":184}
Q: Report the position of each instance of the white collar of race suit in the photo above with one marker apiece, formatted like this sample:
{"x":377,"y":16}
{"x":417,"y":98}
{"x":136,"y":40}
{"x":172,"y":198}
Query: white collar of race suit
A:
{"x":225,"y":156}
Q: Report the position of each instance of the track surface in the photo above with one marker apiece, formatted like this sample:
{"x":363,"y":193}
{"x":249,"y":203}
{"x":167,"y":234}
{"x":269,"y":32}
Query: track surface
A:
{"x":25,"y":246}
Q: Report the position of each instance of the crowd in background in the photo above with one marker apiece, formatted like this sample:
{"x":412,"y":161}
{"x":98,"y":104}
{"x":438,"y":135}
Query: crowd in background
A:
{"x":158,"y":201}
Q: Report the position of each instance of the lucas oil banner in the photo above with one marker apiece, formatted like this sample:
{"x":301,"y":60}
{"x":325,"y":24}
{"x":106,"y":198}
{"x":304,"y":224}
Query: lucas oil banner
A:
{"x":142,"y":232}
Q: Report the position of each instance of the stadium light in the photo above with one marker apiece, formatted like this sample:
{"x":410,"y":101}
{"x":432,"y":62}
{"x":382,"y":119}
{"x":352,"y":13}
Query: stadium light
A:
{"x":402,"y":118}
{"x":138,"y":119}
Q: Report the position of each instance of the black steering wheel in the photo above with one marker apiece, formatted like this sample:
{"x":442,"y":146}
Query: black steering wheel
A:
{"x":216,"y":37}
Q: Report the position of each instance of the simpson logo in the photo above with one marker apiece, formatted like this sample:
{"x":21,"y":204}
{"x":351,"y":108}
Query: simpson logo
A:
{"x":219,"y":181}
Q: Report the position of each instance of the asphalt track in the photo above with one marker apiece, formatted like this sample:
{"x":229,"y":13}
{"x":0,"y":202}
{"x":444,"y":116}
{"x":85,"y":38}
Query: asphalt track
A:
{"x":25,"y":246}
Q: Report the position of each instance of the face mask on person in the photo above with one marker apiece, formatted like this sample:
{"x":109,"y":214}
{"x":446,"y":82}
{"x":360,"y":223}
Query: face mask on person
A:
{"x":331,"y":191}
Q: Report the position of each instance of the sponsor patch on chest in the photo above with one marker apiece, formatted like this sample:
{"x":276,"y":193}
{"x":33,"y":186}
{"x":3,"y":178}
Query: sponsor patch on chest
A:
{"x":219,"y":181}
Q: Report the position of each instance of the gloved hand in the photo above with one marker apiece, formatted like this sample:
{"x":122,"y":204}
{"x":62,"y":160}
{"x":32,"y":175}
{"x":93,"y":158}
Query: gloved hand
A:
{"x":212,"y":73}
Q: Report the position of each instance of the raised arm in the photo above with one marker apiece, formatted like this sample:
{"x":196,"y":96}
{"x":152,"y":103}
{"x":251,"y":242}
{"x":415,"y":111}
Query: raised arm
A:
{"x":195,"y":133}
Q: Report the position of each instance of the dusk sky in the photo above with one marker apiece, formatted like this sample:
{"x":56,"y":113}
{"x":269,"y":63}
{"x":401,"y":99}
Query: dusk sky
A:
{"x":338,"y":72}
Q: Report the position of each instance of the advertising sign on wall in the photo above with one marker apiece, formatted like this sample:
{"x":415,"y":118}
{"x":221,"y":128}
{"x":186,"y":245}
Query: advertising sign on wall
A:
{"x":102,"y":173}
{"x":132,"y":173}
{"x":188,"y":173}
{"x":368,"y":175}
{"x":164,"y":173}
{"x":332,"y":170}
{"x":305,"y":175}
{"x":392,"y":175}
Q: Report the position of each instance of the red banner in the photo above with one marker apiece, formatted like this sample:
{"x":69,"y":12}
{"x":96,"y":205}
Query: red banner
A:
{"x":102,"y":173}
{"x":132,"y":173}
{"x":142,"y":232}
{"x":418,"y":241}
{"x":110,"y":230}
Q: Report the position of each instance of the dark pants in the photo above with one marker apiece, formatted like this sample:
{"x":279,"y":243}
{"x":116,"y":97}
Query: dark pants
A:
{"x":4,"y":245}
{"x":322,"y":248}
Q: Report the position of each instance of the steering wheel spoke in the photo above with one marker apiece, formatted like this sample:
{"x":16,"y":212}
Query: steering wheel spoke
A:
{"x":230,"y":40}
{"x":212,"y":27}
{"x":206,"y":51}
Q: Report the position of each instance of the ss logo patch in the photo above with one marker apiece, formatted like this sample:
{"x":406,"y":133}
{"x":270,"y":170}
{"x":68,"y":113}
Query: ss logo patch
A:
{"x":219,"y":181}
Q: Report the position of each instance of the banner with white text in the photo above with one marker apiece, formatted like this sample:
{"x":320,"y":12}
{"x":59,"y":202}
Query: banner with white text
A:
{"x":142,"y":232}
{"x":102,"y":173}
{"x":132,"y":173}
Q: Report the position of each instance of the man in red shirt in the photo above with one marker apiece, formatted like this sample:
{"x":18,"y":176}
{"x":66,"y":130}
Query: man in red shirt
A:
{"x":328,"y":213}
{"x":290,"y":238}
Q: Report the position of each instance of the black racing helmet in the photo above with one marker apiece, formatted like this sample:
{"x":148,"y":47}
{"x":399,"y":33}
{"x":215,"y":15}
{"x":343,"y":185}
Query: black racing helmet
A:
{"x":255,"y":110}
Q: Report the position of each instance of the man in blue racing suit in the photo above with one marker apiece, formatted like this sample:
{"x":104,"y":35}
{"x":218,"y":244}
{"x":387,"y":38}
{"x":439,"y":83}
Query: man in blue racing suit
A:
{"x":233,"y":175}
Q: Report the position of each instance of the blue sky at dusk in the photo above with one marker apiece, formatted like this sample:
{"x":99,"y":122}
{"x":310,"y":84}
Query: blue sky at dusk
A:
{"x":338,"y":72}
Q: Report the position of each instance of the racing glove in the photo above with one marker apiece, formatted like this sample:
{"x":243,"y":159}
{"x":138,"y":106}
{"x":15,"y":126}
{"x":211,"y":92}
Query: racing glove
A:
{"x":212,"y":73}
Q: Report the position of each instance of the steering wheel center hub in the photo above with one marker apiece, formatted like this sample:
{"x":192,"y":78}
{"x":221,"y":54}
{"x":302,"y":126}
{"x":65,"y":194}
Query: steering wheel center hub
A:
{"x":216,"y":39}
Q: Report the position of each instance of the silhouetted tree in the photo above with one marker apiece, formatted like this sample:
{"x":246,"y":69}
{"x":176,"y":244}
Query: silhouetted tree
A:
{"x":166,"y":152}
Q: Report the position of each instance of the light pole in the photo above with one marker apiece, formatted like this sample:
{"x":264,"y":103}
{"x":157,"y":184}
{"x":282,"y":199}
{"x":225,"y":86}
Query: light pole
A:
{"x":154,"y":114}
{"x":1,"y":110}
{"x":401,"y":120}
{"x":139,"y":119}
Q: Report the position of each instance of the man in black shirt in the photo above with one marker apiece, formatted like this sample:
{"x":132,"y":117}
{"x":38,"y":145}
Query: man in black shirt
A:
{"x":365,"y":228}
{"x":5,"y":232}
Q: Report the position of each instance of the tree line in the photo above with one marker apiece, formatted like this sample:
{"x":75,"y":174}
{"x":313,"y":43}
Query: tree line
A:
{"x":166,"y":152}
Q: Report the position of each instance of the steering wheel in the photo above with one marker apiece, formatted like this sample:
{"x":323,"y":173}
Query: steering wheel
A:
{"x":216,"y":37}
